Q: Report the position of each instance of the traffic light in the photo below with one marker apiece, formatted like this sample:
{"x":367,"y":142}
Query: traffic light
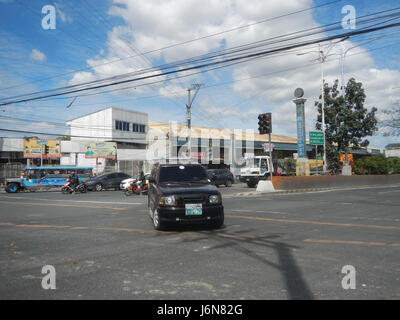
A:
{"x":265,"y":123}
{"x":46,"y":149}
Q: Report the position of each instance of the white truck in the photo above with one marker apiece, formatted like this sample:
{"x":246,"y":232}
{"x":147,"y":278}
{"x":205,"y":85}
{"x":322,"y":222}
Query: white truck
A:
{"x":256,"y":168}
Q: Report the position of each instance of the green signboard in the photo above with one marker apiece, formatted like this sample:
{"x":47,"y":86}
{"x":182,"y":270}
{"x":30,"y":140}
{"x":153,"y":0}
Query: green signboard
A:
{"x":316,"y":137}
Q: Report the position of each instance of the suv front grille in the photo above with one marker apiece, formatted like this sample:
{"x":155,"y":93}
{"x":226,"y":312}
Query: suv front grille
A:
{"x":190,"y":199}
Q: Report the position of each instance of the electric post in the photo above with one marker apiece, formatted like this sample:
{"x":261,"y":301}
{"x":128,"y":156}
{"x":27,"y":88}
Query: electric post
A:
{"x":195,"y":87}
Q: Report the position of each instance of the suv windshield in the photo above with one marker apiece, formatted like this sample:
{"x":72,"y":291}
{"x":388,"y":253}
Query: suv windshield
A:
{"x":183,"y":174}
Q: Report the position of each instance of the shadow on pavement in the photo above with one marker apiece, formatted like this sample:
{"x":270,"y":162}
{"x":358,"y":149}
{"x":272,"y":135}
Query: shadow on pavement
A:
{"x":296,"y":286}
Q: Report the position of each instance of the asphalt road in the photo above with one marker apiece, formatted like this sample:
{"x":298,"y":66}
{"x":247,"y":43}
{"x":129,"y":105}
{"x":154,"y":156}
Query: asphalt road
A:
{"x":279,"y":246}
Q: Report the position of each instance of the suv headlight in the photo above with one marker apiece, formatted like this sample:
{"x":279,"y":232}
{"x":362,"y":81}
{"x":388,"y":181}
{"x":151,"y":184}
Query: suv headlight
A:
{"x":214,"y":199}
{"x":167,"y":201}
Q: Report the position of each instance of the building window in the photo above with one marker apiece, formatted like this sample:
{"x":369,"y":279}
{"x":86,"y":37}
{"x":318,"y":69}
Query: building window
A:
{"x":138,"y":128}
{"x":122,"y":125}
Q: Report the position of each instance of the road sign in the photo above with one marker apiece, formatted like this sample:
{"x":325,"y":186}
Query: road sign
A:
{"x":316,"y":137}
{"x":268,"y":147}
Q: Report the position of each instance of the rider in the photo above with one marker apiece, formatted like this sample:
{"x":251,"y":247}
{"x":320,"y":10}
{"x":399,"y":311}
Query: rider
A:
{"x":141,"y":179}
{"x":74,"y":180}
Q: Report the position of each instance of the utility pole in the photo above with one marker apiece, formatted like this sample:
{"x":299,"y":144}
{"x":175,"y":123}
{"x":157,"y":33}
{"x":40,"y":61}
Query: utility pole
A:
{"x":322,"y":58}
{"x":196,"y":88}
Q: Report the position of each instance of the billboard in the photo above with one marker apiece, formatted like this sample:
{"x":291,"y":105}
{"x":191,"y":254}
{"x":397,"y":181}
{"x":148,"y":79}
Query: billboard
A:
{"x":34,"y":147}
{"x":105,"y":150}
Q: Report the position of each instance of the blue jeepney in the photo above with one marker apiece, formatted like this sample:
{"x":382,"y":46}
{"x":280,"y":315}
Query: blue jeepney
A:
{"x":34,"y":178}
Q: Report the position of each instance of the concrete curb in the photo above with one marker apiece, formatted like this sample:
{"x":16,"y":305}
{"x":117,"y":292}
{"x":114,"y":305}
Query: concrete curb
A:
{"x":254,"y":193}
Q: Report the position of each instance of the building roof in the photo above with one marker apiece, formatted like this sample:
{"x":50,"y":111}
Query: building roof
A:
{"x":101,"y":110}
{"x":212,"y":133}
{"x":393,"y":146}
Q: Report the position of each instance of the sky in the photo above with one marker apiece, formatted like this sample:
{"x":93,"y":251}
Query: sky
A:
{"x":97,"y":39}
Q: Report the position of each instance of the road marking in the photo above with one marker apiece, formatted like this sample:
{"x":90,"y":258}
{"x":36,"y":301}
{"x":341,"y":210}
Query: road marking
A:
{"x":235,"y":236}
{"x":72,"y":200}
{"x":43,"y":226}
{"x":381,"y":192}
{"x":315,"y":222}
{"x":368,"y":243}
{"x":59,"y":205}
{"x":257,"y":211}
{"x":191,"y":234}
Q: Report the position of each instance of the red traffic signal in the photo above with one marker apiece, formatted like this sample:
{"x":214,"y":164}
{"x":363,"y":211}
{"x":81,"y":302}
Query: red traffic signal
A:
{"x":265,"y":123}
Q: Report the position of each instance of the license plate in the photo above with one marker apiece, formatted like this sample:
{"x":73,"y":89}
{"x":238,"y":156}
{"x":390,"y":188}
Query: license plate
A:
{"x":195,"y":209}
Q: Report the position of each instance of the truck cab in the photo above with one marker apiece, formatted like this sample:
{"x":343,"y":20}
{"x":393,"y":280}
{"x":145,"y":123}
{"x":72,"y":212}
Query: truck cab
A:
{"x":255,"y":169}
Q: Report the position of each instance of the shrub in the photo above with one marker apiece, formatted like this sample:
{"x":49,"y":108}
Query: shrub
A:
{"x":376,"y":165}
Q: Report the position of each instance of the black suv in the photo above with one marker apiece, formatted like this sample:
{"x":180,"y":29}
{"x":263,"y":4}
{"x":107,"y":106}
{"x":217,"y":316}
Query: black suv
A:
{"x":221,"y":176}
{"x":182,"y":193}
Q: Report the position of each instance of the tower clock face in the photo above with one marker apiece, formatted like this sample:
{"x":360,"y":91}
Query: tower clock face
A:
{"x":299,"y":92}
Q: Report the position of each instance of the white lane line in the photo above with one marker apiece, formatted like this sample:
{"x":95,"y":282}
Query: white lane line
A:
{"x":71,"y":200}
{"x":381,"y":192}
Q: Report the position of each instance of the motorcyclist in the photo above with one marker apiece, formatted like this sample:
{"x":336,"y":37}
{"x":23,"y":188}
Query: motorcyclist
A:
{"x":74,"y":180}
{"x":142,"y":181}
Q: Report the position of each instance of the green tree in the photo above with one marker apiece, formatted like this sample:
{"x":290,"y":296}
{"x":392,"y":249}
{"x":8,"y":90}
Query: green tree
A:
{"x":347,"y":121}
{"x":374,"y":165}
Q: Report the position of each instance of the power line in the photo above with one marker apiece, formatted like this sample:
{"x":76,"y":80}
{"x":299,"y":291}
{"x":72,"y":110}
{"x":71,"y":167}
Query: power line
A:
{"x":210,"y":56}
{"x":205,"y":87}
{"x":178,"y":44}
{"x":239,"y":58}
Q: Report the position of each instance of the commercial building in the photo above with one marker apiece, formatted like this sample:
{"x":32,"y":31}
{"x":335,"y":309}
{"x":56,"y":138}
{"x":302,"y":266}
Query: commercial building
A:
{"x":392,"y":150}
{"x":139,"y":143}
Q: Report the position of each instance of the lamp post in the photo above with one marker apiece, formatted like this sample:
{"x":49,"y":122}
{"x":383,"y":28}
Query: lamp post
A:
{"x":195,"y":87}
{"x":321,"y":58}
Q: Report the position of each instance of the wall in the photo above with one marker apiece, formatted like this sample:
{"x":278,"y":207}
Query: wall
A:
{"x":315,"y":182}
{"x":95,"y":126}
{"x":392,"y":153}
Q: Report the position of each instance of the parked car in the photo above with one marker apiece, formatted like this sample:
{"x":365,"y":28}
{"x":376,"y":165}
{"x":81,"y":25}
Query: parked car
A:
{"x":107,"y":181}
{"x":183,"y":194}
{"x":221,"y":176}
{"x":127,"y":182}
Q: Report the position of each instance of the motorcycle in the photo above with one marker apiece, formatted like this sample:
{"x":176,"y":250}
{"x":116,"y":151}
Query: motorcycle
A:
{"x":137,"y":188}
{"x":67,"y":188}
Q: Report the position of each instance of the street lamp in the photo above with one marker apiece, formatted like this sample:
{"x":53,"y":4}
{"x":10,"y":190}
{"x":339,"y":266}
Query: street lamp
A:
{"x":321,"y":58}
{"x":195,"y":87}
{"x":343,"y":56}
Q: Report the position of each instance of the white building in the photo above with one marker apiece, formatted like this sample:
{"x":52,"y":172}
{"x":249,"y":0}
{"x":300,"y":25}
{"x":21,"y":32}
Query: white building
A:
{"x":127,"y":128}
{"x":111,"y":124}
{"x":392,"y":150}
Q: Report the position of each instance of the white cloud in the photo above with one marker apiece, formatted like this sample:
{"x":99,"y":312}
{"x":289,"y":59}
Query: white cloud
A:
{"x":63,"y":16}
{"x":38,"y":55}
{"x":152,"y":24}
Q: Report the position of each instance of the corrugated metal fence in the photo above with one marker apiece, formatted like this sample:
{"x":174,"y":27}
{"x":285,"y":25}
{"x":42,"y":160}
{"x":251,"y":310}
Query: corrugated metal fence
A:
{"x":10,"y":170}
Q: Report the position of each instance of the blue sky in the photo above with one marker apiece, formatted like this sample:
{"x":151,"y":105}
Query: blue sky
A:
{"x":89,"y":34}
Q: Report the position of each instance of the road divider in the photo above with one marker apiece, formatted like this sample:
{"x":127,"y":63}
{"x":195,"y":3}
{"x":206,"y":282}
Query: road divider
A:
{"x":319,"y":183}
